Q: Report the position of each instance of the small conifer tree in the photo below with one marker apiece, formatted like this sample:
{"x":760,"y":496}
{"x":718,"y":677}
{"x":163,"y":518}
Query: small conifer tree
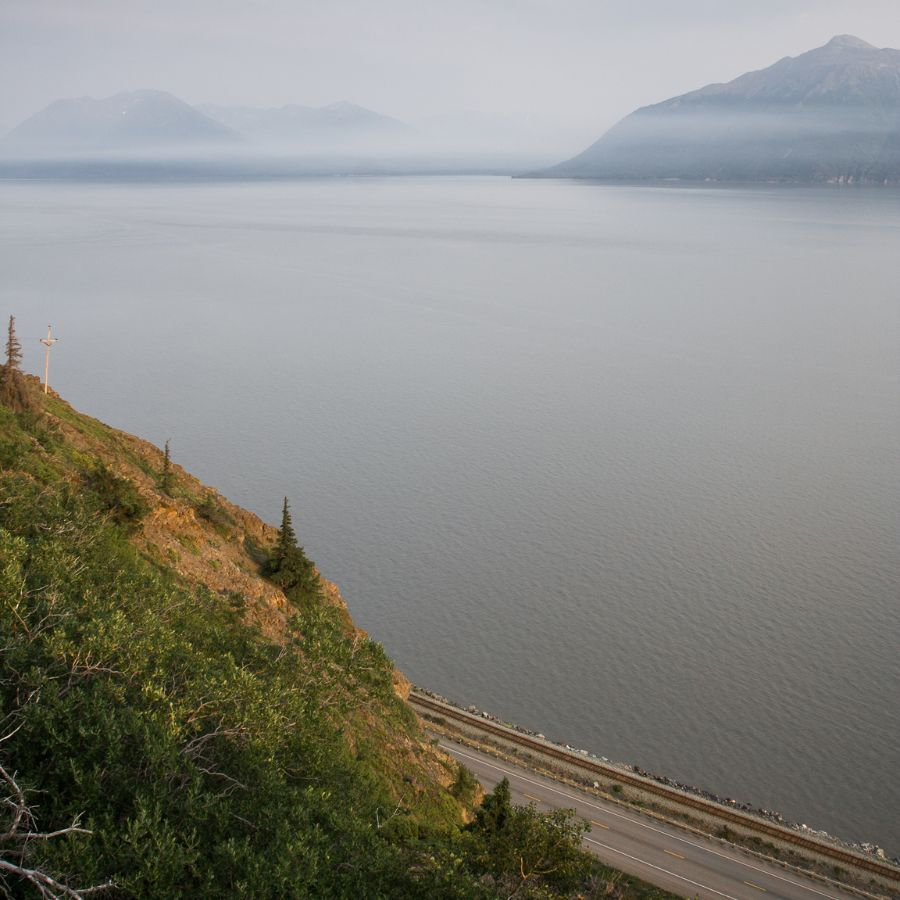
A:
{"x":287,"y":538}
{"x":288,"y":564}
{"x":495,"y":809}
{"x":14,"y":391}
{"x":13,"y":347}
{"x":167,"y":477}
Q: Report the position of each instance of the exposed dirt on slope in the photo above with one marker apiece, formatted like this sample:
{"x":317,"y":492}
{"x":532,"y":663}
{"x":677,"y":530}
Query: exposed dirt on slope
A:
{"x":208,"y":541}
{"x":223,"y":552}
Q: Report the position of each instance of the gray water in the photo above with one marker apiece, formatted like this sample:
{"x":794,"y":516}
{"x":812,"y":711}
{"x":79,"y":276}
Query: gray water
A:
{"x":619,"y":464}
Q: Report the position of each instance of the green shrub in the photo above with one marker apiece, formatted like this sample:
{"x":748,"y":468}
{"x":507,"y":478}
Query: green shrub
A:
{"x":210,"y":510}
{"x":528,"y":852}
{"x":116,"y":495}
{"x":11,"y":453}
{"x":465,"y":786}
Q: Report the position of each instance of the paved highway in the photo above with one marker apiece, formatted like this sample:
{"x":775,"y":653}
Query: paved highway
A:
{"x":676,"y":860}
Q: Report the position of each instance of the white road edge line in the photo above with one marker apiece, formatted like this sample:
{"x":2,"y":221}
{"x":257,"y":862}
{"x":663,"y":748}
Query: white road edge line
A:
{"x":650,"y":827}
{"x":644,"y":862}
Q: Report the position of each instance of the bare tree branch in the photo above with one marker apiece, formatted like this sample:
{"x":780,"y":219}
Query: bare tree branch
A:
{"x":19,"y":833}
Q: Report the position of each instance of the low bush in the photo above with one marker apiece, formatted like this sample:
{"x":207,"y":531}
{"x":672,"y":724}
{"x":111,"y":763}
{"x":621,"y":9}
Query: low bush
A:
{"x":116,"y":495}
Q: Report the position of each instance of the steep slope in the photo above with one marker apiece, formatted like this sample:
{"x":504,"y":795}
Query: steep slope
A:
{"x":174,"y":724}
{"x":138,"y":121}
{"x":829,"y":115}
{"x":154,"y":682}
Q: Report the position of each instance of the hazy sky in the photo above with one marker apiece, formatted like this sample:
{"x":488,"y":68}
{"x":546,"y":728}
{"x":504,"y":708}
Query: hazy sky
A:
{"x":574,"y":66}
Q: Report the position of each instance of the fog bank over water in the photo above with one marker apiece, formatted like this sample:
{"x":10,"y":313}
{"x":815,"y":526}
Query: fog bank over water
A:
{"x":619,"y":464}
{"x":153,"y":136}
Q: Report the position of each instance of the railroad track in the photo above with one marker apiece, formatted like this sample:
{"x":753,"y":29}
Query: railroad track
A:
{"x":660,"y":790}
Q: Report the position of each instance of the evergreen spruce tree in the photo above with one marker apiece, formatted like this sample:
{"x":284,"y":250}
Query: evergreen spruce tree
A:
{"x":13,"y":347}
{"x":288,"y":564}
{"x":14,"y":391}
{"x":167,"y":477}
{"x":287,"y":538}
{"x":496,"y":808}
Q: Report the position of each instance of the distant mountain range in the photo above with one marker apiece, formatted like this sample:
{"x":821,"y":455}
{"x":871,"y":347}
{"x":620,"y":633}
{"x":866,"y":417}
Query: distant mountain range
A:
{"x":136,"y":121}
{"x":829,"y":115}
{"x":152,"y":121}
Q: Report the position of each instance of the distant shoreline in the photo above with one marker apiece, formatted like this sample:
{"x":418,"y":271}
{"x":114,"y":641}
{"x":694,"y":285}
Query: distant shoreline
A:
{"x":239,"y":169}
{"x":712,"y":182}
{"x":205,"y":171}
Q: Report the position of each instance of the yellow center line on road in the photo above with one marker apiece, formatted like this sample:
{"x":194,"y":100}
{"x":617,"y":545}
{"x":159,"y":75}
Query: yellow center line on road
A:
{"x":536,"y":799}
{"x":661,"y":869}
{"x":599,"y":825}
{"x":751,"y":884}
{"x":673,"y":853}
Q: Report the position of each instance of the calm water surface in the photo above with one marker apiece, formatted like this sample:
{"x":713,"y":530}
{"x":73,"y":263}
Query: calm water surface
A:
{"x":619,"y":464}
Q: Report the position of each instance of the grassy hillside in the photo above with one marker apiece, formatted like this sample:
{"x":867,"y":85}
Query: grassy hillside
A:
{"x":198,"y":730}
